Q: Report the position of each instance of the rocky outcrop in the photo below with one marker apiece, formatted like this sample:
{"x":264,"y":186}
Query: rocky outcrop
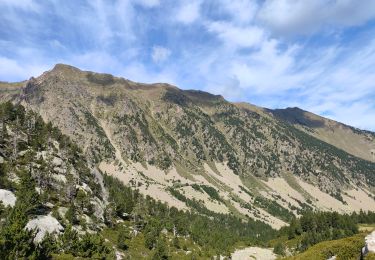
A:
{"x":7,"y":198}
{"x":44,"y":225}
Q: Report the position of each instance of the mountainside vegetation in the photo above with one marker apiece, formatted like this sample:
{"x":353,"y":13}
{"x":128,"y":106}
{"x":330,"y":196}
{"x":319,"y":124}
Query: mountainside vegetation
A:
{"x":346,"y":248}
{"x":47,"y":172}
{"x":315,"y":227}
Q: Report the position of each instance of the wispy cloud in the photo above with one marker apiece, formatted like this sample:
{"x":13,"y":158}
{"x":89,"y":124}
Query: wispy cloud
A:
{"x":236,"y":36}
{"x":188,"y":11}
{"x":11,"y":68}
{"x":160,"y":54}
{"x":308,"y":16}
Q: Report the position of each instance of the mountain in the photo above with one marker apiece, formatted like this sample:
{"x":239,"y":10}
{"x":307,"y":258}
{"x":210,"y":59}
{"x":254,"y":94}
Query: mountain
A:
{"x":194,"y":150}
{"x":55,"y":204}
{"x":357,"y":142}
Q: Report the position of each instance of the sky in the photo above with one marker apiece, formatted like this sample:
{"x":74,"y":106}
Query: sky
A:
{"x":318,"y":55}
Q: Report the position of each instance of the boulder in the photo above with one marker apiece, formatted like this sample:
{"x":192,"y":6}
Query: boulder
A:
{"x":7,"y":198}
{"x":59,"y":178}
{"x":44,"y":225}
{"x":57,"y":161}
{"x":370,"y":242}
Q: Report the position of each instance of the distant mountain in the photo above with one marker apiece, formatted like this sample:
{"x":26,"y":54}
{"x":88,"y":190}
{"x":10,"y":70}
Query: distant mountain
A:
{"x":357,"y":142}
{"x":193,"y":149}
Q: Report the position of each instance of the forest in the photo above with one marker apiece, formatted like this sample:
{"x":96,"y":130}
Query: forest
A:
{"x":314,"y":227}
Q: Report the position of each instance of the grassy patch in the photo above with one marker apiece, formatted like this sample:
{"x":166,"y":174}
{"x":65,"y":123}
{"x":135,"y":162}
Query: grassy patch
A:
{"x":366,"y":227}
{"x":344,"y":249}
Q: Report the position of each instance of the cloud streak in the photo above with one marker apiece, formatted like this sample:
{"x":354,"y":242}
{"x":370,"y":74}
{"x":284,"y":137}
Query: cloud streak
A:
{"x":308,"y":16}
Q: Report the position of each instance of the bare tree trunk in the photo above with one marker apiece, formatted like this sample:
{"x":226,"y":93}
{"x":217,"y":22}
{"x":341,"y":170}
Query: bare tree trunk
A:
{"x":15,"y":140}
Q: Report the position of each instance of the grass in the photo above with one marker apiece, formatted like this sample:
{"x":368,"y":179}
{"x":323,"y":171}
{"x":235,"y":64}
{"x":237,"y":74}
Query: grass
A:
{"x":291,"y":180}
{"x":183,"y":171}
{"x":137,"y":250}
{"x":212,"y":165}
{"x":366,"y":227}
{"x":344,"y":249}
{"x":253,"y":184}
{"x":341,"y":245}
{"x":291,"y":243}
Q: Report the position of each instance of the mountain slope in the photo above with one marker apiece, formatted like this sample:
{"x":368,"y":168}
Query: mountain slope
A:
{"x":53,"y":190}
{"x":193,"y":149}
{"x":352,"y":140}
{"x":54,"y":204}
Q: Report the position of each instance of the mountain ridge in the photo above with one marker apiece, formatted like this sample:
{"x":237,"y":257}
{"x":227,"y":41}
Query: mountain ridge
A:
{"x":325,"y":129}
{"x":63,"y":67}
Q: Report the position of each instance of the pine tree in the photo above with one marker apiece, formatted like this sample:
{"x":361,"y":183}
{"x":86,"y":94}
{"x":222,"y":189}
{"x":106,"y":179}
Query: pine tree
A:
{"x":68,"y":240}
{"x":122,"y":236}
{"x":160,"y":250}
{"x":176,"y":242}
{"x":70,"y":214}
{"x":81,"y":199}
{"x":279,"y":249}
{"x":27,"y":194}
{"x":15,"y":241}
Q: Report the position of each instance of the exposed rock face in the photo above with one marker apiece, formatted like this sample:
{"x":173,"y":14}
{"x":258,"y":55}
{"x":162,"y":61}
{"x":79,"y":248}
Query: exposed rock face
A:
{"x":253,"y":253}
{"x":44,"y":225}
{"x":159,"y":137}
{"x":7,"y":198}
{"x":370,"y":242}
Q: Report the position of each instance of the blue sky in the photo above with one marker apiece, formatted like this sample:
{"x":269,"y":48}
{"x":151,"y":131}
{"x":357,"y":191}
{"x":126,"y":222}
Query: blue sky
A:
{"x":315,"y":54}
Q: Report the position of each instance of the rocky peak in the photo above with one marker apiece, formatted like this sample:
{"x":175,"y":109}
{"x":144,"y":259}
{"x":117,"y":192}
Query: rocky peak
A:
{"x":64,"y":68}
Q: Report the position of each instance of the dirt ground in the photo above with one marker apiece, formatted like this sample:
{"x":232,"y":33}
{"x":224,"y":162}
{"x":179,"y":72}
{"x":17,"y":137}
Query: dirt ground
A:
{"x":254,"y":253}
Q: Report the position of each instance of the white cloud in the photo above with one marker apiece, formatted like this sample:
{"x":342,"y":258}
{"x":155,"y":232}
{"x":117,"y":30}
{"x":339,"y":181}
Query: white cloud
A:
{"x":268,"y":70}
{"x":106,"y":22}
{"x":188,"y":12}
{"x":140,"y":73}
{"x":234,"y":36}
{"x":308,"y":16}
{"x":15,"y":71}
{"x":228,"y":87}
{"x":160,"y":54}
{"x":56,"y":44}
{"x":359,"y":114}
{"x":98,"y":61}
